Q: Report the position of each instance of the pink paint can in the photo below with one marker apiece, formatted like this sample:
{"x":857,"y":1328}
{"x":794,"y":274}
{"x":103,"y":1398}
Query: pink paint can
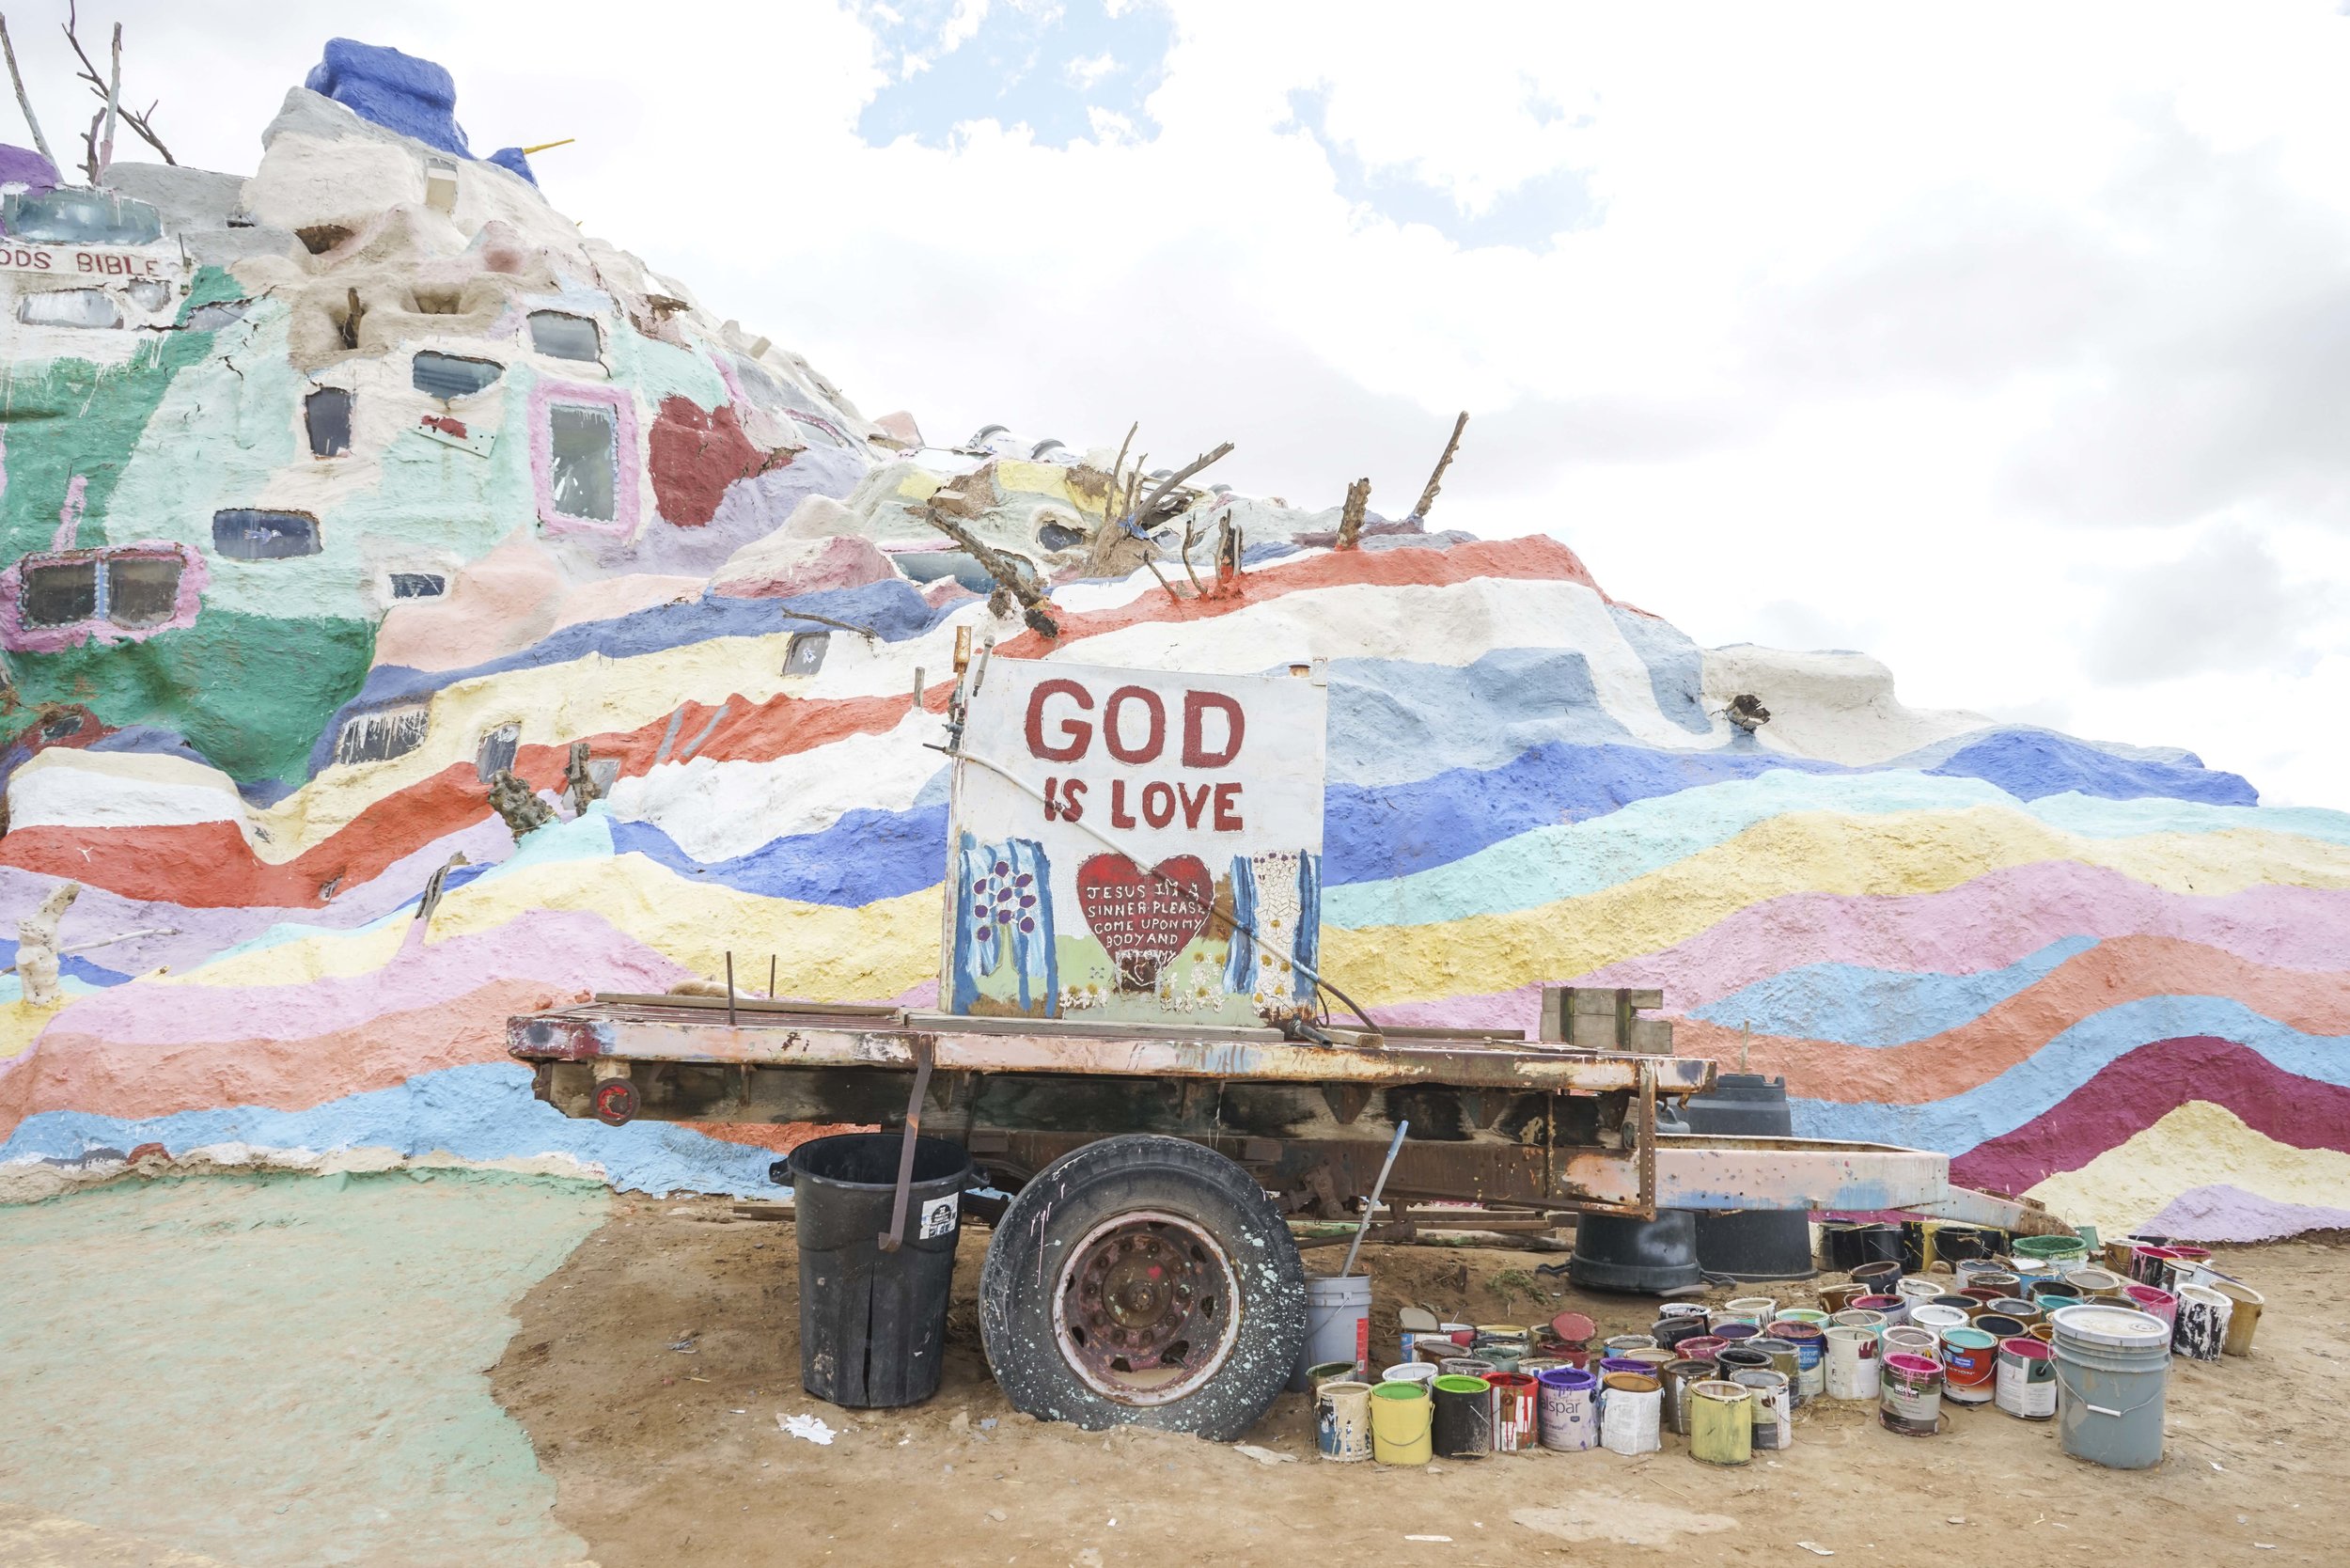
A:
{"x":2155,"y":1302}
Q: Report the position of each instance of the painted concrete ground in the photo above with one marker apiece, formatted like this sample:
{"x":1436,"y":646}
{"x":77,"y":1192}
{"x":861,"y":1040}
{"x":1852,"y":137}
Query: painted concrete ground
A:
{"x":276,"y":1371}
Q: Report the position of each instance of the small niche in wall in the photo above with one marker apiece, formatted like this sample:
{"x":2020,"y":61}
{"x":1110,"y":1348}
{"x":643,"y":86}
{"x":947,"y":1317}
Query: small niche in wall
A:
{"x":61,"y":593}
{"x":559,"y":334}
{"x":380,"y":736}
{"x":499,"y":749}
{"x":70,"y":307}
{"x":448,"y":375}
{"x":142,"y":591}
{"x":806,"y":656}
{"x":418,"y":585}
{"x":244,"y":535}
{"x":327,"y":413}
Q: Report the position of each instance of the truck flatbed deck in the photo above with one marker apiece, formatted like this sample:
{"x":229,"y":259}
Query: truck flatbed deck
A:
{"x":1493,"y":1120}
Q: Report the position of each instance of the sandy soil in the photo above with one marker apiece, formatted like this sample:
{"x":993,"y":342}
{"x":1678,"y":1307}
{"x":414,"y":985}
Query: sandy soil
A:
{"x":663,"y":1456}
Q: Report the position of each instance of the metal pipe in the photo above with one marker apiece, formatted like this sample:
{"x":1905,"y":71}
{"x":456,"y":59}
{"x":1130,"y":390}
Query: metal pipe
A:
{"x":1376,"y":1188}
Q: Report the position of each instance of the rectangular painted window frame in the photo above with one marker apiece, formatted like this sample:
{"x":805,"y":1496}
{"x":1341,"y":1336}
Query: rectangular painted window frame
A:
{"x":805,"y":648}
{"x":415,"y":718}
{"x":316,"y":538}
{"x":310,"y":407}
{"x":16,"y":637}
{"x":595,"y":329}
{"x":628,"y":459}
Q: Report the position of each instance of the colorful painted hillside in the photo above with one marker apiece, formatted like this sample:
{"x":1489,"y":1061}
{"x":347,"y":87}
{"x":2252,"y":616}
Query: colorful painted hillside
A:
{"x":368,"y":478}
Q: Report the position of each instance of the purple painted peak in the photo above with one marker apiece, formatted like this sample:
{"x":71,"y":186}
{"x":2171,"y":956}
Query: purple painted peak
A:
{"x":397,"y":91}
{"x":21,"y":164}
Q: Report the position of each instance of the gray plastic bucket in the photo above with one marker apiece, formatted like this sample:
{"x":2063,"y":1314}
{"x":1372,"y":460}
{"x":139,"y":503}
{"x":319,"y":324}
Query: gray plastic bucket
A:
{"x":2112,"y":1366}
{"x":1338,"y":1325}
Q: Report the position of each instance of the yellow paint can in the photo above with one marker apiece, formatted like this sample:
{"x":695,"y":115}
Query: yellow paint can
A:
{"x":1401,"y":1415}
{"x":1722,"y":1422}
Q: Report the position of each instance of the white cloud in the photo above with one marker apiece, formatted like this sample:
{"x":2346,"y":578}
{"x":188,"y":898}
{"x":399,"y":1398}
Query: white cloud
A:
{"x":1918,"y":333}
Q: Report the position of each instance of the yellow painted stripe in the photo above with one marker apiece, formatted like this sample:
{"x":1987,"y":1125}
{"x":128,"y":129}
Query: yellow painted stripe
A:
{"x":829,"y":952}
{"x":1919,"y":852}
{"x":2198,"y":1144}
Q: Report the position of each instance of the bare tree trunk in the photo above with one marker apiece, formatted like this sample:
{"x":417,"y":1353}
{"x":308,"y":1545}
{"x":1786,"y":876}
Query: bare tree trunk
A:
{"x":23,"y":101}
{"x":1428,"y":497}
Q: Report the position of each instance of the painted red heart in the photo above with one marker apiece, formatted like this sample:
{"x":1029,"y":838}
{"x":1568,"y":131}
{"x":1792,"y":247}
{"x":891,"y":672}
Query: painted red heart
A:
{"x":1144,"y":919}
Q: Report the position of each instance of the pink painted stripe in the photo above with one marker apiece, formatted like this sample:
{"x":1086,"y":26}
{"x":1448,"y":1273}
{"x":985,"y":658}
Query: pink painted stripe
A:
{"x":197,"y":933}
{"x":1987,"y":923}
{"x":562,"y":950}
{"x":2228,"y":1213}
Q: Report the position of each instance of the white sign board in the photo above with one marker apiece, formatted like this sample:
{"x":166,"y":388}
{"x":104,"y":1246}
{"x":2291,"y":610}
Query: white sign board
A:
{"x":1117,"y":837}
{"x":98,"y":263}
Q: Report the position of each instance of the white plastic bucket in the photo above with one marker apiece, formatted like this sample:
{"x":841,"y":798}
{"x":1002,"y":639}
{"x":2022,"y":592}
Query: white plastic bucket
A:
{"x":1338,"y":1325}
{"x":1851,"y":1362}
{"x":2111,"y":1366}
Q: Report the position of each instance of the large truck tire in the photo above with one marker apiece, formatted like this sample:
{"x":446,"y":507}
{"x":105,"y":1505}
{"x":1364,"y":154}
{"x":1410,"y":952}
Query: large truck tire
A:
{"x":1143,"y":1281}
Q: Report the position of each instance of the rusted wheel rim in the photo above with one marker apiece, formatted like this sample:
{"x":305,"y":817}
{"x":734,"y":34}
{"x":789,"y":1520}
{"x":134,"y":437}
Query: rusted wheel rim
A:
{"x":1146,"y":1310}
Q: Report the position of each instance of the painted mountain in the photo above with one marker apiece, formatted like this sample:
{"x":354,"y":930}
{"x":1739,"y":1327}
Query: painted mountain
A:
{"x":335,"y":493}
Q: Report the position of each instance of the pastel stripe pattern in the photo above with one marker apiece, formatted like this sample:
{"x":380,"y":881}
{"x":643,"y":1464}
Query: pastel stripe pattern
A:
{"x":2104,"y":975}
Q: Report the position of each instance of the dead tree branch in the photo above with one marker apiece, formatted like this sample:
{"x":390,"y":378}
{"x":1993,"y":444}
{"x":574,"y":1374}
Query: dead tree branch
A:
{"x":1189,"y":536}
{"x":23,"y":101}
{"x":1351,"y":520}
{"x":1166,"y":485}
{"x":1035,"y":608}
{"x":114,"y":100}
{"x":110,"y":94}
{"x":1428,"y":497}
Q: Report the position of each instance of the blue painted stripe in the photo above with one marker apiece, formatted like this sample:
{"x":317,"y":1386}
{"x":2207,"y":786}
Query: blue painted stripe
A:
{"x":2029,"y":764}
{"x":1550,"y":864}
{"x":1856,"y":1006}
{"x":1373,"y":833}
{"x":481,"y":1112}
{"x":865,"y":856}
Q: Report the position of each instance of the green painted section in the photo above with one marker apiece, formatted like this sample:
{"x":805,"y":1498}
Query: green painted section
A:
{"x":284,"y":1371}
{"x":654,"y":370}
{"x":199,"y":422}
{"x":72,"y":416}
{"x":250,"y":693}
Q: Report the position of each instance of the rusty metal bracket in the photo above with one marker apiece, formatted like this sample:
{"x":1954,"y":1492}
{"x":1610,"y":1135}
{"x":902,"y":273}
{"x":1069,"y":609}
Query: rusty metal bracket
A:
{"x":1346,"y":1101}
{"x":1648,"y":1141}
{"x":906,"y":1152}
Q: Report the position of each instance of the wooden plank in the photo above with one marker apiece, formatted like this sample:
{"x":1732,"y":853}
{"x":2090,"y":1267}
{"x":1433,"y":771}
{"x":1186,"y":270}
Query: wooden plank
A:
{"x":746,"y":1004}
{"x":1078,"y":1029}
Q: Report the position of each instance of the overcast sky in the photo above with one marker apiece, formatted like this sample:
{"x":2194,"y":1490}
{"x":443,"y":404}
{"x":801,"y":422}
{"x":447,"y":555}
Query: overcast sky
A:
{"x":2010,"y":344}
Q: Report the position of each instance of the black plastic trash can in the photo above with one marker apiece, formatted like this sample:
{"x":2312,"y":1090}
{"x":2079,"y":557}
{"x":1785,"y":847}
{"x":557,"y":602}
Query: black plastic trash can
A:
{"x":1751,"y":1243}
{"x":873,"y":1323}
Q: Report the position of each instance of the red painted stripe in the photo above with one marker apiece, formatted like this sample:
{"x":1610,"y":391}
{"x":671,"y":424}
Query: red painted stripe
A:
{"x":2139,"y":1089}
{"x":1535,"y":557}
{"x":209,"y":865}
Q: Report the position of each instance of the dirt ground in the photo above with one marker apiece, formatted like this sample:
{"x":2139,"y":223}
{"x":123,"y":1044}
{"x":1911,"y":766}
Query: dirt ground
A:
{"x":670,"y":1456}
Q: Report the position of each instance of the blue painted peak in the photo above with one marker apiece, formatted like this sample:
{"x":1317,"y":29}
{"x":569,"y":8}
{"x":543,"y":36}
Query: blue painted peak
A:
{"x":511,"y":158}
{"x":396,"y":91}
{"x":22,"y":166}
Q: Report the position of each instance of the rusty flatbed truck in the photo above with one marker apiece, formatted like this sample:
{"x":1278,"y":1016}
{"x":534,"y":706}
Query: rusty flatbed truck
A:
{"x":1143,"y":1271}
